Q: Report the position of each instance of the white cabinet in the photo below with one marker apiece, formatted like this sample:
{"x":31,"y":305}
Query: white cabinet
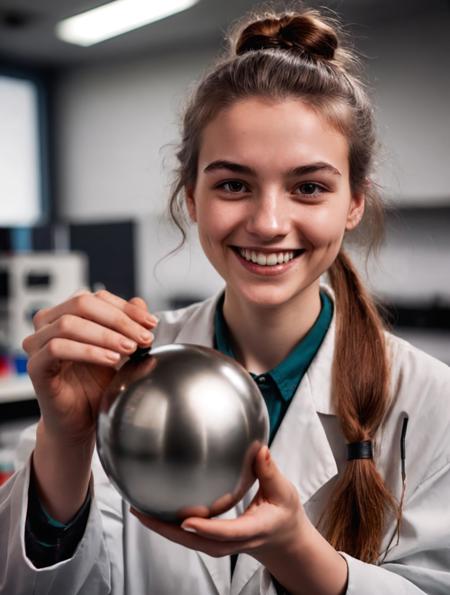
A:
{"x":16,"y":388}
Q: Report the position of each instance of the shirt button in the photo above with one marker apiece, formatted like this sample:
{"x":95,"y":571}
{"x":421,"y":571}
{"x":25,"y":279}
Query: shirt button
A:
{"x":262,"y":379}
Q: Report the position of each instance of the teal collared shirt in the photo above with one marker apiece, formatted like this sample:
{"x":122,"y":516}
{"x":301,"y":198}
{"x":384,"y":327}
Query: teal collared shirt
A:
{"x":278,"y":385}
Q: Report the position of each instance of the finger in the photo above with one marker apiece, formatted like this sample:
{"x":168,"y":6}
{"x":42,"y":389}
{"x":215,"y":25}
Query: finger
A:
{"x":44,"y":315}
{"x":104,"y":313}
{"x":57,"y":350}
{"x":135,"y":307}
{"x":247,"y":527}
{"x":78,"y":329}
{"x":187,"y":538}
{"x":170,"y":531}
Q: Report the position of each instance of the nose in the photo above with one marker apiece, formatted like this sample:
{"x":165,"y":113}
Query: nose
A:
{"x":269,"y":216}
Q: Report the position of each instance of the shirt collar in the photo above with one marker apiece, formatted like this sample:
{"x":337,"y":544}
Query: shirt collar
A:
{"x":288,"y":374}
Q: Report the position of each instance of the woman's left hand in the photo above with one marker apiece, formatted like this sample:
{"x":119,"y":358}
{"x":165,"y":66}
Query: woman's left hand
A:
{"x":274,"y":519}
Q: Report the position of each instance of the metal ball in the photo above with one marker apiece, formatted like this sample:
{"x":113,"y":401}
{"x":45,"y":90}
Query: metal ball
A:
{"x":178,"y":430}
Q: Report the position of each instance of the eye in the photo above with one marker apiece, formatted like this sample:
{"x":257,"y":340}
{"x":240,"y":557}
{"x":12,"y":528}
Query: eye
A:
{"x":310,"y":188}
{"x":232,"y":186}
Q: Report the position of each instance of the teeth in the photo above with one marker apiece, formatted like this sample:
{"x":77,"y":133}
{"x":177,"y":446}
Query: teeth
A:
{"x":261,"y":258}
{"x":266,"y":259}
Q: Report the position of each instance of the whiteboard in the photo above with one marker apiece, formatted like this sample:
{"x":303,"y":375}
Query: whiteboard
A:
{"x":20,"y":168}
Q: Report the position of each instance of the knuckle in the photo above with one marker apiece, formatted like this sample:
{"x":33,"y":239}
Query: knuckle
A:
{"x":102,"y":293}
{"x":138,"y":301}
{"x":107,"y":337}
{"x":53,"y":347}
{"x":37,"y":317}
{"x":91,"y":352}
{"x":82,"y":302}
{"x":121,"y":320}
{"x":65,"y":323}
{"x":81,"y":291}
{"x":26,"y":343}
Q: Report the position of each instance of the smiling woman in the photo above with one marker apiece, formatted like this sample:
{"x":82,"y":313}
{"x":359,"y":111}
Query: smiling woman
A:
{"x":275,"y":167}
{"x":261,"y":128}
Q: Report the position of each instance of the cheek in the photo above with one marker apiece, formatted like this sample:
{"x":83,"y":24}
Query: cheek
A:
{"x":217,"y":221}
{"x":324,"y":226}
{"x":210,"y":226}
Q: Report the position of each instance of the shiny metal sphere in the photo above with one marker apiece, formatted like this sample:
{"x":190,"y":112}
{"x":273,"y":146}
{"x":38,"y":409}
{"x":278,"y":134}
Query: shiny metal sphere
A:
{"x":178,"y":430}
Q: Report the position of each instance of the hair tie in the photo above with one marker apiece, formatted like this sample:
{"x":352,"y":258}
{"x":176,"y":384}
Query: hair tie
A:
{"x":359,"y":450}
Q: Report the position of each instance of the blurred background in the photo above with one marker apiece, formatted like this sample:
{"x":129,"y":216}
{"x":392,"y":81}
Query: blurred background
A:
{"x":87,"y":141}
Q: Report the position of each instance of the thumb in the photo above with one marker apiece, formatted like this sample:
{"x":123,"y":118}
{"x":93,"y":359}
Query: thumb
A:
{"x":272,"y":482}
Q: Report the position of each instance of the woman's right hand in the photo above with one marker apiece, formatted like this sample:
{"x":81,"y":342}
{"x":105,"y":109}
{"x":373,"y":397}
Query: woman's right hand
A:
{"x":73,"y":354}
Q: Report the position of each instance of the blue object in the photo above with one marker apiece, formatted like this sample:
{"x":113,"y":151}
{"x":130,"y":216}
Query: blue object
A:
{"x":20,"y":363}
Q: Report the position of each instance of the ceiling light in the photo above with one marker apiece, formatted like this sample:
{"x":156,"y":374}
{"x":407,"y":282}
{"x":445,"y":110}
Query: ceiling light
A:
{"x":116,"y":18}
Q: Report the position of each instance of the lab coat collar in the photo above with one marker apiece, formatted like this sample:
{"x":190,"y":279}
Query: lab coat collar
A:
{"x":301,"y":431}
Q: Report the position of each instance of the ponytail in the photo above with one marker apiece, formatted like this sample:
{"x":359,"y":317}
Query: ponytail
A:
{"x":355,"y":520}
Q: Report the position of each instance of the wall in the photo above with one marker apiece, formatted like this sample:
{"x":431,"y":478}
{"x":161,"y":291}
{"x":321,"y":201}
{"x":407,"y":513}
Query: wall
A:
{"x":409,"y":66}
{"x":113,"y":120}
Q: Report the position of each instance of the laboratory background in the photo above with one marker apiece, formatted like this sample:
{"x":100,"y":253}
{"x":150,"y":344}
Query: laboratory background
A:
{"x":88,"y":133}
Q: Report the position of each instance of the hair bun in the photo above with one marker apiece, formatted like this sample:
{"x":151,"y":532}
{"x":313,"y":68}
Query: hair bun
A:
{"x":303,"y":33}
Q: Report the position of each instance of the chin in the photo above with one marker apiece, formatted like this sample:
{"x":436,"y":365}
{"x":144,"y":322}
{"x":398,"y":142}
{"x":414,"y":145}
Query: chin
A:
{"x":269,"y":297}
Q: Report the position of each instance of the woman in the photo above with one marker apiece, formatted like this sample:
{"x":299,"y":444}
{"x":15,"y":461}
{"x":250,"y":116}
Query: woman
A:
{"x":275,"y":166}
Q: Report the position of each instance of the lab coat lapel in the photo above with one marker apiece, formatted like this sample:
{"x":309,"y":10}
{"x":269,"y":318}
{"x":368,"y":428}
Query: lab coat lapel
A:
{"x":300,"y":432}
{"x":304,"y":433}
{"x":219,"y":571}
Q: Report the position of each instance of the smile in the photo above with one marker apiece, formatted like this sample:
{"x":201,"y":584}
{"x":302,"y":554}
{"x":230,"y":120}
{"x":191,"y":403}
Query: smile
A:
{"x":268,"y":258}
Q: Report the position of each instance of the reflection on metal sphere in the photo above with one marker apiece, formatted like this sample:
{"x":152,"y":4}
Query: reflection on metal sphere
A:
{"x":178,"y":430}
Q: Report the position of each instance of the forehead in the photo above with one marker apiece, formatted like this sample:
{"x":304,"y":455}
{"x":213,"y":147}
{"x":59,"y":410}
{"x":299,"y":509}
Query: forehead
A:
{"x":272,"y":134}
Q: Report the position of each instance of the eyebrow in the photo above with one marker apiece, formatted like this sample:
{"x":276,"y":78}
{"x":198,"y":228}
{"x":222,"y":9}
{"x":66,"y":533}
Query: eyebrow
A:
{"x":296,"y":171}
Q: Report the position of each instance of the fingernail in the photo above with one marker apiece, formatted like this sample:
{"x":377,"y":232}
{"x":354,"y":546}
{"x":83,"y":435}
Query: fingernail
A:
{"x":188,"y":529}
{"x":112,"y":356}
{"x":267,"y":456}
{"x":146,"y":336}
{"x":128,"y":344}
{"x":151,"y":319}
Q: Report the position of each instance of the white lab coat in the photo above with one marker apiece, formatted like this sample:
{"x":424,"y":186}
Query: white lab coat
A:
{"x":118,"y":555}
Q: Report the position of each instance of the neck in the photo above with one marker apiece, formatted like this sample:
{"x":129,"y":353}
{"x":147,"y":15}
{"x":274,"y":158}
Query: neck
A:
{"x":262,"y":336}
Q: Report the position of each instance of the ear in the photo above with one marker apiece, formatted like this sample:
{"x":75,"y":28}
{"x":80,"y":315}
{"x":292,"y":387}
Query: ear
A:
{"x":356,"y":210}
{"x":190,"y":204}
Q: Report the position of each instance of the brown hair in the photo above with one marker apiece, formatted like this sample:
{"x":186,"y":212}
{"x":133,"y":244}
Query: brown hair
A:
{"x":300,"y":55}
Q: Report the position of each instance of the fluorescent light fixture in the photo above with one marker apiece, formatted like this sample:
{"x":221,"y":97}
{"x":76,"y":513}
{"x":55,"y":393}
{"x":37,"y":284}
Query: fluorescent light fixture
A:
{"x":116,"y":18}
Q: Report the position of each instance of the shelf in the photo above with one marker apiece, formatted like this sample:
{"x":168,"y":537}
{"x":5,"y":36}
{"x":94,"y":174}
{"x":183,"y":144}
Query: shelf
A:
{"x":16,"y":388}
{"x":393,"y":205}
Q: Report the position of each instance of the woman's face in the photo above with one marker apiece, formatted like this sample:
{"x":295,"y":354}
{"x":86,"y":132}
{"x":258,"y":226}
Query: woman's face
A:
{"x":272,"y":198}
